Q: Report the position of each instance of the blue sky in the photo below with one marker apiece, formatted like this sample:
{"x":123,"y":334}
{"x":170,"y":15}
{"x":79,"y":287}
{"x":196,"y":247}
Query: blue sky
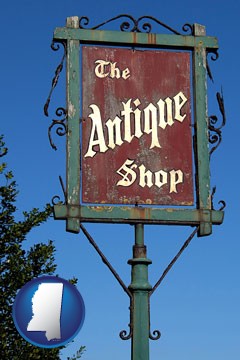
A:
{"x":197,"y":306}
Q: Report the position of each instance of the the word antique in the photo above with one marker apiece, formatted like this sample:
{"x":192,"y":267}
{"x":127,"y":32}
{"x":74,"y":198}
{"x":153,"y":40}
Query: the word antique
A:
{"x":163,"y":114}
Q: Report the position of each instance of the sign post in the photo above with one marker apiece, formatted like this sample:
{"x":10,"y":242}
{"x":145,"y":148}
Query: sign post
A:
{"x":140,"y":289}
{"x":138,"y":133}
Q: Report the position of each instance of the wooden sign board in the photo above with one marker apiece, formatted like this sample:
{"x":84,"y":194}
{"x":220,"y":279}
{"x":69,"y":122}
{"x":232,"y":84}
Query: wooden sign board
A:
{"x":136,"y":127}
{"x":130,"y":153}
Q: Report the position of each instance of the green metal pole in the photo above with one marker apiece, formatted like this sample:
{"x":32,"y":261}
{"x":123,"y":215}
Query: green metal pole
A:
{"x":140,"y":289}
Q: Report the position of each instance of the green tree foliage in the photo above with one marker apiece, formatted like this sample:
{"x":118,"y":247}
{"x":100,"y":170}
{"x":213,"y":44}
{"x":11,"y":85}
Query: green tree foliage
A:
{"x":19,"y":266}
{"x":78,"y":354}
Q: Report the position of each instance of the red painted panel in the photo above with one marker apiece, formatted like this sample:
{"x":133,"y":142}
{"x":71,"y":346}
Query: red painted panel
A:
{"x":136,"y":128}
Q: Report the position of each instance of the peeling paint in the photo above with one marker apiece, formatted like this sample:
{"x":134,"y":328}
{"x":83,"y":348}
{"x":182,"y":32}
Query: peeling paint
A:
{"x":152,"y":38}
{"x":71,"y":110}
{"x":101,"y":208}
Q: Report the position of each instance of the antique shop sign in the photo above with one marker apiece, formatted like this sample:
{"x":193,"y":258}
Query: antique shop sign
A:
{"x":136,"y":127}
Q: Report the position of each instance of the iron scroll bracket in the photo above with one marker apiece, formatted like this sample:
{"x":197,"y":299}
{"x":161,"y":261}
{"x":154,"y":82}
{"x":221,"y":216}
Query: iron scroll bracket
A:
{"x":60,"y":124}
{"x":141,"y":25}
{"x":124,"y":335}
{"x":215,"y":132}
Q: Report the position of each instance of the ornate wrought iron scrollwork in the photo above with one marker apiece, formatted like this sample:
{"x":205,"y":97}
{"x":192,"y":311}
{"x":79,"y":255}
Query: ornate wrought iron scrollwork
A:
{"x":215,"y":54}
{"x":56,"y":199}
{"x":61,"y":126}
{"x":222,"y":202}
{"x":124,"y":335}
{"x":155,"y":335}
{"x":142,"y":24}
{"x":188,"y":28}
{"x":215,"y":133}
{"x":60,"y":112}
{"x":55,"y":47}
{"x":214,"y":57}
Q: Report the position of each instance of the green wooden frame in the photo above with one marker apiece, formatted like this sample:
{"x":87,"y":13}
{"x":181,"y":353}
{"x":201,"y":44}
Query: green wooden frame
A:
{"x":75,"y":213}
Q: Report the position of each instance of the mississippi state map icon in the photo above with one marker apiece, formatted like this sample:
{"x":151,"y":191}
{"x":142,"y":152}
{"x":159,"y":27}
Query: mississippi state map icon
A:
{"x":48,"y":311}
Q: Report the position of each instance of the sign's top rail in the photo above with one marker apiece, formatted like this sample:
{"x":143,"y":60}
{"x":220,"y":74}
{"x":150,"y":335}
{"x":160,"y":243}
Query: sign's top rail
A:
{"x":134,"y":38}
